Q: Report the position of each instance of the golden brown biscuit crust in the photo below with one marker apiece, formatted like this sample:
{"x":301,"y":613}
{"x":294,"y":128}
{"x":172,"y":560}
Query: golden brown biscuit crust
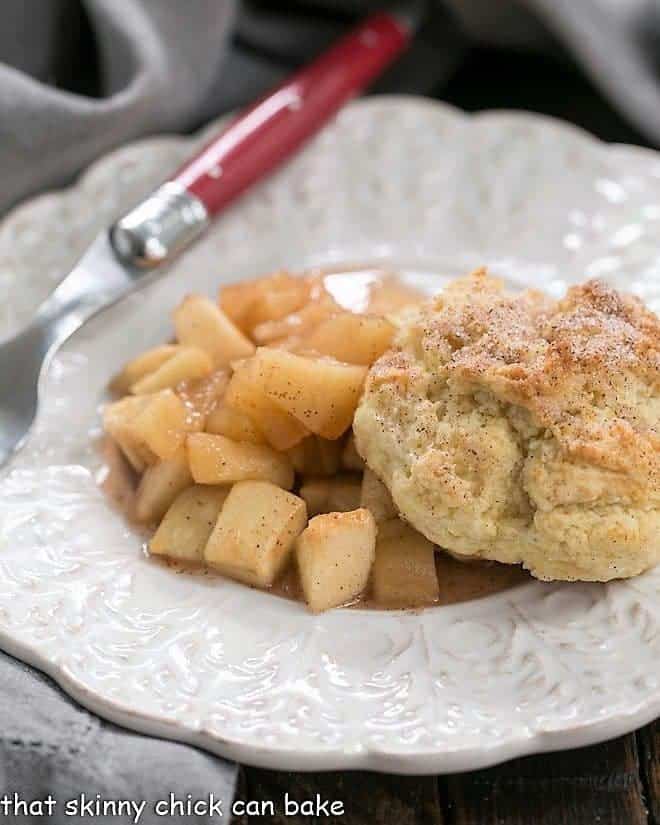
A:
{"x":524,"y":429}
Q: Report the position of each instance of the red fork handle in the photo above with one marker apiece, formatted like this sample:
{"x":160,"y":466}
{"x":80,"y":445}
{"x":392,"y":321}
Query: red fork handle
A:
{"x":255,"y":143}
{"x":268,"y":133}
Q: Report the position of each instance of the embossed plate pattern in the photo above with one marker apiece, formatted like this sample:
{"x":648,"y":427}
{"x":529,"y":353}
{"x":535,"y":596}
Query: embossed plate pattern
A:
{"x":419,"y":186}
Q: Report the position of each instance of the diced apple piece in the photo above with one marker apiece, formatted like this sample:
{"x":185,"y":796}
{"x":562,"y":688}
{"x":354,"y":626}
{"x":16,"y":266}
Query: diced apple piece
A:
{"x":264,"y":299}
{"x":148,"y":427}
{"x":292,"y":343}
{"x":187,"y":364}
{"x":254,"y":536}
{"x":350,"y":458}
{"x":215,"y":459}
{"x":355,"y":339}
{"x":321,"y":394}
{"x":160,"y":485}
{"x":234,"y":424}
{"x":376,"y":497}
{"x":246,"y":394}
{"x":278,"y":296}
{"x":188,"y":523}
{"x":331,"y":495}
{"x":335,"y":553}
{"x":298,"y":323}
{"x":202,"y":396}
{"x":118,"y":423}
{"x":140,"y":366}
{"x":404,"y":572}
{"x":236,"y":300}
{"x":198,"y":322}
{"x":162,"y":424}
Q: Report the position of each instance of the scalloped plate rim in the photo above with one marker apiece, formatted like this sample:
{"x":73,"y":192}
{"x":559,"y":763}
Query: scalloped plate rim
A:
{"x":425,"y":762}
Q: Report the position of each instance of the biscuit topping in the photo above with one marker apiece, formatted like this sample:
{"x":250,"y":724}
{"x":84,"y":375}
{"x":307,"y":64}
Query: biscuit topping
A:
{"x":522,"y":429}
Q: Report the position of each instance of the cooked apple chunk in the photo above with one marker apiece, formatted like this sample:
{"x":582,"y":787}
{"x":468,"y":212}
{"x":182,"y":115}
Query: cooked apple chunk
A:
{"x":140,"y":366}
{"x":355,"y":339}
{"x":335,"y":553}
{"x":202,"y":396}
{"x":404,"y":572}
{"x":277,"y":296}
{"x":331,"y":495}
{"x":188,"y":523}
{"x":162,"y":424}
{"x":187,"y":364}
{"x":234,"y":424}
{"x":265,"y":299}
{"x":320,"y":393}
{"x":198,"y":322}
{"x":236,"y":301}
{"x":118,"y":423}
{"x":215,"y":459}
{"x":160,"y":485}
{"x":376,"y":497}
{"x":292,"y":343}
{"x":254,"y":536}
{"x":246,"y":394}
{"x":298,"y":323}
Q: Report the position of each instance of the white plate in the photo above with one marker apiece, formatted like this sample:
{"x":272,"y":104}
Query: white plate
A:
{"x":257,"y":678}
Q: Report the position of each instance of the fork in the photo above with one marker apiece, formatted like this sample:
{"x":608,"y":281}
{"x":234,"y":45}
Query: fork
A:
{"x":149,"y":237}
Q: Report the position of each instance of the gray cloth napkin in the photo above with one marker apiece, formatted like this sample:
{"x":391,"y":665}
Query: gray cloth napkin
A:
{"x":168,"y":65}
{"x":79,"y":77}
{"x":158,"y":60}
{"x":50,"y":746}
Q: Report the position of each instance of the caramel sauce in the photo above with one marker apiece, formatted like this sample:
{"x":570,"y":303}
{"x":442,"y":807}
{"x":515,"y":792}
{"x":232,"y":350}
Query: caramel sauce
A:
{"x":462,"y":581}
{"x":363,"y":291}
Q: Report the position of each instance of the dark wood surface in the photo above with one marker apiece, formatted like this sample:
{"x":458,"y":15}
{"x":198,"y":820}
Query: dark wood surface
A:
{"x":616,"y":783}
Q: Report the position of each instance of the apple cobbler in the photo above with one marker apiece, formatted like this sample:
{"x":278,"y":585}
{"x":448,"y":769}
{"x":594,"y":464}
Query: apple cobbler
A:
{"x":324,"y":435}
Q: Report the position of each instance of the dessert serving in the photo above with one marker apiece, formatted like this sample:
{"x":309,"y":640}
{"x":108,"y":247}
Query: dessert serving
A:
{"x":512,"y":429}
{"x":179,"y":650}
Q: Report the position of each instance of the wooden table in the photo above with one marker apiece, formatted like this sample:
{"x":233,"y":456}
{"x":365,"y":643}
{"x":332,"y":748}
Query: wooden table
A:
{"x":617,"y":783}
